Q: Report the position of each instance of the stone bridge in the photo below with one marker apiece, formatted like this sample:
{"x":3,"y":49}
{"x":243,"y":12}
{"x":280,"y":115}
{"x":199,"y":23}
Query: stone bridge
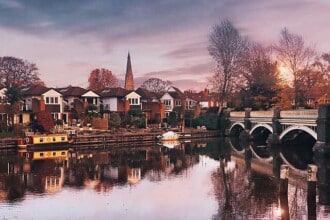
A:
{"x":295,"y":136}
{"x":286,"y":137}
{"x":284,"y":123}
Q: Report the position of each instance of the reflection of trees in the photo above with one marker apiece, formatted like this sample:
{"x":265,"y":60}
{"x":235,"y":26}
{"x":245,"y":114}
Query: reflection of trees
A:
{"x":241,"y":196}
{"x":297,"y":202}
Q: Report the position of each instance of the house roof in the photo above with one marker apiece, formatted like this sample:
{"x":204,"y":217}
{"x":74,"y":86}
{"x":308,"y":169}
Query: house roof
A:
{"x":72,"y":91}
{"x":34,"y":90}
{"x":146,"y":94}
{"x":175,"y":93}
{"x":114,"y":92}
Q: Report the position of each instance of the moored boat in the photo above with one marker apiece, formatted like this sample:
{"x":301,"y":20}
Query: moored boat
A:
{"x":42,"y":140}
{"x":169,"y":136}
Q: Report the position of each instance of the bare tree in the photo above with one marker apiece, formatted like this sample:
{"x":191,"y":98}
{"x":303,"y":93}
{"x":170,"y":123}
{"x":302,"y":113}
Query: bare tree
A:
{"x":295,"y":55}
{"x":226,"y":46}
{"x":15,"y":72}
{"x":100,"y":79}
{"x":156,"y":85}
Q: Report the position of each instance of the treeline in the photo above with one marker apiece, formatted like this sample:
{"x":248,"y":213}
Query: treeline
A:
{"x":249,"y":74}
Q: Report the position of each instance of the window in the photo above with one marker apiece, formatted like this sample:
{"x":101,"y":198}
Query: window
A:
{"x":56,"y":100}
{"x":167,"y":102}
{"x":177,"y":102}
{"x":41,"y":140}
{"x":62,"y":138}
{"x":54,"y":153}
{"x":54,"y":138}
{"x":47,"y":100}
{"x":51,"y":100}
{"x":63,"y":153}
{"x":133,"y":101}
{"x":41,"y":154}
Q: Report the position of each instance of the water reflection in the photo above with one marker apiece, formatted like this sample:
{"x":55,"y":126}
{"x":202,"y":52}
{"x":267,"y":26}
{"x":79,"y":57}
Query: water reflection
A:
{"x":197,"y":180}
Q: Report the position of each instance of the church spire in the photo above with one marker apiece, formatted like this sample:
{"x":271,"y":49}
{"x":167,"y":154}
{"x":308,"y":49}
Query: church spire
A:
{"x":129,"y":80}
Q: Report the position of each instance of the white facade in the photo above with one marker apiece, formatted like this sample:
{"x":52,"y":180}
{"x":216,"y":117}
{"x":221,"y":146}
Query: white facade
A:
{"x":3,"y":96}
{"x":52,"y":97}
{"x":91,"y":97}
{"x":133,"y":98}
{"x":110,"y":104}
{"x":168,"y":100}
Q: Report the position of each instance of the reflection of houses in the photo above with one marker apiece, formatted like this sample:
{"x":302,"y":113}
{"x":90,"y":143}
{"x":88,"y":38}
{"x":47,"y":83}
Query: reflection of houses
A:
{"x":54,"y":183}
{"x":133,"y":175}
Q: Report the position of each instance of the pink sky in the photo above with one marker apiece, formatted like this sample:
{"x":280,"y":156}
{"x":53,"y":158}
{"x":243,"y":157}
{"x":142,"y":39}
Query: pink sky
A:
{"x":166,"y":39}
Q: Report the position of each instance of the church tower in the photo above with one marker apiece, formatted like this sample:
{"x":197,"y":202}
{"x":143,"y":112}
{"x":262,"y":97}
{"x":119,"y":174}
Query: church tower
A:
{"x":129,"y":80}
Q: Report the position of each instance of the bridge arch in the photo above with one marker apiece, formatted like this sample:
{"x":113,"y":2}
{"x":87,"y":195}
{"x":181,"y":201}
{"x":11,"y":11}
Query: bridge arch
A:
{"x":267,"y":126}
{"x":236,"y":128}
{"x":301,"y":128}
{"x":297,"y":144}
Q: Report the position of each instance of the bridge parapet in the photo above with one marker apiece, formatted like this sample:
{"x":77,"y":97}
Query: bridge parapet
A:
{"x":261,"y":114}
{"x":237,"y":114}
{"x":303,"y":114}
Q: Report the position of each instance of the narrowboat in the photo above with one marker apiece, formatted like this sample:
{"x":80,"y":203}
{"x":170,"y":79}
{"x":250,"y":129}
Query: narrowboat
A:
{"x":41,"y":140}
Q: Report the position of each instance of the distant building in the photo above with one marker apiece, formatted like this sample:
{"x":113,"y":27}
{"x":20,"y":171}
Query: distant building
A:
{"x":129,"y":80}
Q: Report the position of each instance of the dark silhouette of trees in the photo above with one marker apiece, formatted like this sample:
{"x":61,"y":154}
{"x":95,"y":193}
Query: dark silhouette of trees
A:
{"x":15,"y":72}
{"x":296,"y":56}
{"x":100,"y":79}
{"x":156,"y":85}
{"x":261,"y":77}
{"x":227,"y":47}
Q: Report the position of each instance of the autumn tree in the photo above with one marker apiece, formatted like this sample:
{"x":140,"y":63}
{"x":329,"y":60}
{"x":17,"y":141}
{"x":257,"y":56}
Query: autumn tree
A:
{"x":261,"y":77}
{"x":226,"y":46}
{"x":296,"y":56}
{"x":156,"y":85}
{"x":100,"y":79}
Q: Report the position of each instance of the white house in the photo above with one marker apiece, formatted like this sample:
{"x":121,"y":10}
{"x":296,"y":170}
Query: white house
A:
{"x":3,"y":103}
{"x":52,"y":99}
{"x":134,"y":100}
{"x":172,"y":98}
{"x":113,"y":99}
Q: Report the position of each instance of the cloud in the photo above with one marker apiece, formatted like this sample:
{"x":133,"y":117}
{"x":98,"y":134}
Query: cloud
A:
{"x":168,"y":39}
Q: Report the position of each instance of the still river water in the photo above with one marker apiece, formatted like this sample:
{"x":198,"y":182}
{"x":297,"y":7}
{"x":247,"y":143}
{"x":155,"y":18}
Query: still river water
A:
{"x":197,"y":180}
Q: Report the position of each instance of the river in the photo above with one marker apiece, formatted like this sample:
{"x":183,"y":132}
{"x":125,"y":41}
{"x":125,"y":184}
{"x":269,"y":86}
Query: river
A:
{"x":204,"y":179}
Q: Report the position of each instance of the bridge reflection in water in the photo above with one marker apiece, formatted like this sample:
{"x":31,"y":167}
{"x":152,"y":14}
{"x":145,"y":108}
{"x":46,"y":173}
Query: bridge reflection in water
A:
{"x":197,"y":180}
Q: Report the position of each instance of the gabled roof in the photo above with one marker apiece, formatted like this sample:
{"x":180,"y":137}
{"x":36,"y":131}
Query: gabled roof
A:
{"x":113,"y":92}
{"x":146,"y":94}
{"x":34,"y":90}
{"x":175,"y":93}
{"x":72,"y":91}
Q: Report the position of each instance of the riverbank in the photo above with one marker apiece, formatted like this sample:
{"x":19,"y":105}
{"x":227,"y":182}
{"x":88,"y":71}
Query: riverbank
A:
{"x":111,"y":138}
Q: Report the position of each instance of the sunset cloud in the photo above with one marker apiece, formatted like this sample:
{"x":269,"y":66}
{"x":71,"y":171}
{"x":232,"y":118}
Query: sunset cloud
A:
{"x":168,"y":39}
